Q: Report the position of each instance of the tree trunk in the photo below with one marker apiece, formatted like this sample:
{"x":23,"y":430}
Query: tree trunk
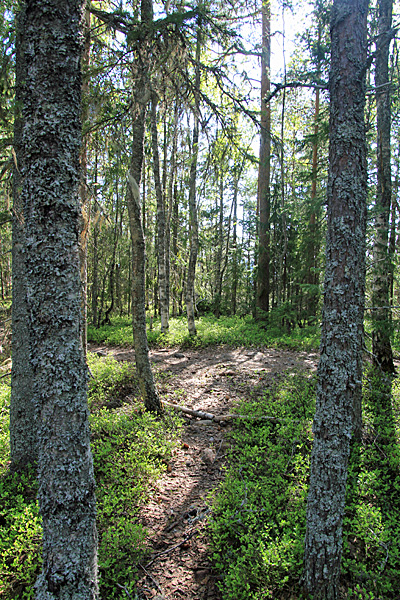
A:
{"x":161,"y":248}
{"x":51,"y":144}
{"x":142,"y":97}
{"x":339,"y":370}
{"x":143,"y":367}
{"x":264,"y":169}
{"x":235,"y":266}
{"x":83,"y":189}
{"x":23,"y":437}
{"x":381,"y":321}
{"x":218,"y":244}
{"x":193,"y":221}
{"x":312,"y":277}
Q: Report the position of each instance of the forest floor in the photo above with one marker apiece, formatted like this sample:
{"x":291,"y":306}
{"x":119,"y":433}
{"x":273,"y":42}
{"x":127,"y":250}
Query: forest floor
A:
{"x":210,"y":380}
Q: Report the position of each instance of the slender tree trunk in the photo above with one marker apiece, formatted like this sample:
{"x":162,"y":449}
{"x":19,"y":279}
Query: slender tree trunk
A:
{"x":218,"y":245}
{"x":313,"y":245}
{"x":83,"y":189}
{"x":381,"y":346}
{"x":143,"y":367}
{"x":193,"y":221}
{"x":51,"y":141}
{"x":235,"y":267}
{"x":161,"y":248}
{"x":174,"y":228}
{"x":339,"y":385}
{"x":23,"y":435}
{"x":264,"y":169}
{"x":95,"y":264}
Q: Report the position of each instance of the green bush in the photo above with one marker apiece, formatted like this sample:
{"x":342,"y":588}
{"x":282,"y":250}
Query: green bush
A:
{"x":130,"y":448}
{"x":258,"y":521}
{"x":259,"y":516}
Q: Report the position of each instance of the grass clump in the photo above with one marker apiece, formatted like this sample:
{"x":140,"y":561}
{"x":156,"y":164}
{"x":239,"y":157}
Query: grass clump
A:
{"x":130,"y":448}
{"x":258,"y":526}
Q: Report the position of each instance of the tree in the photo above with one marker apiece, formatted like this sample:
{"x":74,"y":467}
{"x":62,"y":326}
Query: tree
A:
{"x":193,"y":219}
{"x":161,"y":221}
{"x":23,"y":435}
{"x":142,"y":97}
{"x":381,"y":346}
{"x":339,"y":386}
{"x":264,"y":168}
{"x":51,"y":139}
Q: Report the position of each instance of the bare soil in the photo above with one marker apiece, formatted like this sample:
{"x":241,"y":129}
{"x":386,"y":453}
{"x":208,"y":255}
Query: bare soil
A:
{"x":210,"y":380}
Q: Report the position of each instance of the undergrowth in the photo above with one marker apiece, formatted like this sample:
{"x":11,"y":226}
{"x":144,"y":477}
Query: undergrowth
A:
{"x":258,"y":526}
{"x":233,"y":331}
{"x":130,"y":448}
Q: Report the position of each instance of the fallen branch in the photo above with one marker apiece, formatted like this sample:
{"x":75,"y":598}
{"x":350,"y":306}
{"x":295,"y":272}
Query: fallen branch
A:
{"x":188,"y":411}
{"x":217,"y":418}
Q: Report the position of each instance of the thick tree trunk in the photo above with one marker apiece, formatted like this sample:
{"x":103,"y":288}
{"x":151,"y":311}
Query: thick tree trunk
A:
{"x":381,"y":346}
{"x":23,"y":436}
{"x":339,"y":370}
{"x":161,"y":246}
{"x":264,"y":169}
{"x":51,"y":144}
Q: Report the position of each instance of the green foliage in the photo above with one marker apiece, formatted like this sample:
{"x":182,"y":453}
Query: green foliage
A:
{"x":371,"y":559}
{"x":5,"y":392}
{"x":259,"y":513}
{"x":130,"y":448}
{"x":112,"y":383}
{"x":20,"y":535}
{"x":233,"y":331}
{"x":259,"y":517}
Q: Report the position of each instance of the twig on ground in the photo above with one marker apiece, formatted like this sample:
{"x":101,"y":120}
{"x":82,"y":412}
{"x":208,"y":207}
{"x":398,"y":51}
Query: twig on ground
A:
{"x":152,"y":578}
{"x":125,"y":590}
{"x":187,"y":537}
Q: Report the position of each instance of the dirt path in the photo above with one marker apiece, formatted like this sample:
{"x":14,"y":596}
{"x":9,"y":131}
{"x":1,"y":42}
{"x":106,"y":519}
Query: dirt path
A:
{"x":209,"y":380}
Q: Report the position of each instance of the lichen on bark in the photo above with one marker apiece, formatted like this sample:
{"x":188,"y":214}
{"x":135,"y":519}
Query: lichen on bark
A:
{"x":338,"y":409}
{"x":51,"y":139}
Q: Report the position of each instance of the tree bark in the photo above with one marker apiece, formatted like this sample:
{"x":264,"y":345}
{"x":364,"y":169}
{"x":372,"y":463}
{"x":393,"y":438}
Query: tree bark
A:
{"x":193,"y":220}
{"x":83,"y":189}
{"x":51,"y":144}
{"x":23,"y":435}
{"x":381,"y":319}
{"x":142,"y":97}
{"x":219,"y":242}
{"x":339,"y":370}
{"x":161,"y":245}
{"x":264,"y":169}
{"x":143,"y":367}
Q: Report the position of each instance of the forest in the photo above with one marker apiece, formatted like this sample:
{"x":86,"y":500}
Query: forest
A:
{"x":200,"y":300}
